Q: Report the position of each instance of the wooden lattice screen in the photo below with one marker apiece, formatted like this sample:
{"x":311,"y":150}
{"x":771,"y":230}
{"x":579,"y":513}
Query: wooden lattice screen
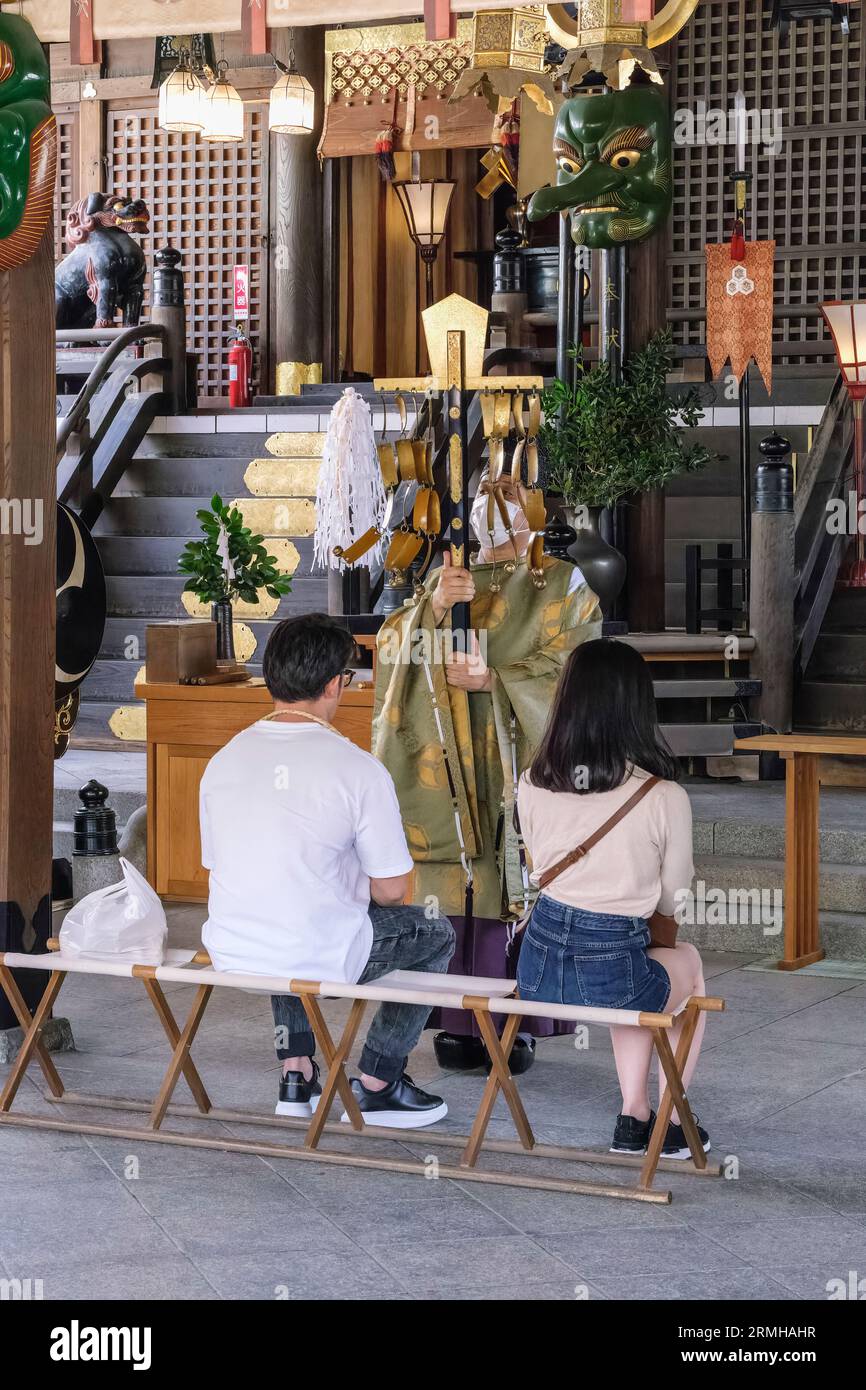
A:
{"x":810,"y":196}
{"x":66,"y":188}
{"x":211,"y":202}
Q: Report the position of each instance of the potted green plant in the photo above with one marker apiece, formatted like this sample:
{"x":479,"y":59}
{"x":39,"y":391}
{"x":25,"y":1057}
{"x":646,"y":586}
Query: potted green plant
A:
{"x":605,"y":440}
{"x":229,"y":563}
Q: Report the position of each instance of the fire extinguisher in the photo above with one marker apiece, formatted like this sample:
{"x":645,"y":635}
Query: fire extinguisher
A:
{"x":240,"y":369}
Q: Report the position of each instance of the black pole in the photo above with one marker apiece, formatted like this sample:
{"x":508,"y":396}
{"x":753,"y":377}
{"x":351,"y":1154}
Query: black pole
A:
{"x":745,"y":481}
{"x":565,"y":365}
{"x":458,"y":471}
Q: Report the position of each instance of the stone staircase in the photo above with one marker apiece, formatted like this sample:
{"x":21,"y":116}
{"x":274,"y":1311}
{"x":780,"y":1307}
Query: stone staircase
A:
{"x":704,"y":508}
{"x":832,"y":696}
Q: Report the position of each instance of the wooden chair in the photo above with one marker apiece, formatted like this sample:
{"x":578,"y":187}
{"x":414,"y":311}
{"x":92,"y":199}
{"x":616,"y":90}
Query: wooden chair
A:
{"x":485,"y":999}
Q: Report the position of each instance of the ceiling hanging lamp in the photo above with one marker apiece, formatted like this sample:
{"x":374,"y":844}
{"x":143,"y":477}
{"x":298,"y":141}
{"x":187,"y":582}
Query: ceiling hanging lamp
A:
{"x":292,"y":105}
{"x":180,"y":98}
{"x":222,"y":110}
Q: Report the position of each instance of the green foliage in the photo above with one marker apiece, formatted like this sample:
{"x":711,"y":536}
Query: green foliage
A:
{"x":254,"y":568}
{"x":605,"y":440}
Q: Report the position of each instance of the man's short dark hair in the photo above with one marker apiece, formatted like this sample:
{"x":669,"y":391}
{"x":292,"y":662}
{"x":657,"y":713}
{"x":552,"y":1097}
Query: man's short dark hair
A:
{"x":303,"y":654}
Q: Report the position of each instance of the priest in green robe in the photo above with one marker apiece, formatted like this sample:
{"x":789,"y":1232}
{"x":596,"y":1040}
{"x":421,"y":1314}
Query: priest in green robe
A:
{"x":456,"y":729}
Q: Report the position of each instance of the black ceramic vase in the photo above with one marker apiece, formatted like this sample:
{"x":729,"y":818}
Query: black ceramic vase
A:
{"x":602,"y":565}
{"x":221,"y":614}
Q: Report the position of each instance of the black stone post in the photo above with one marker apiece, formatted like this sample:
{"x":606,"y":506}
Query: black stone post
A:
{"x":168,"y":310}
{"x":773,"y":586}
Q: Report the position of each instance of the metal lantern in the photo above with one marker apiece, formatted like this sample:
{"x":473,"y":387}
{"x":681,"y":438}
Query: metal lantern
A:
{"x":223,"y":111}
{"x":425,"y":205}
{"x":292,"y":105}
{"x":180,"y":99}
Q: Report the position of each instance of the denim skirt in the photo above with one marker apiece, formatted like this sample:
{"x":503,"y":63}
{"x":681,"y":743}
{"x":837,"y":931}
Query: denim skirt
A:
{"x":594,"y":959}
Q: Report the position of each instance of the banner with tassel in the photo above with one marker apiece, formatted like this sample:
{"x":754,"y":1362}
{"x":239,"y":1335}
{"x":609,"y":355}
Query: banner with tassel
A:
{"x":740,"y":305}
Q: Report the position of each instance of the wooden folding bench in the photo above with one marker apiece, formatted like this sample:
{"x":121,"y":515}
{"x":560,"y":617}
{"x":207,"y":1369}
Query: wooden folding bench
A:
{"x":485,"y":999}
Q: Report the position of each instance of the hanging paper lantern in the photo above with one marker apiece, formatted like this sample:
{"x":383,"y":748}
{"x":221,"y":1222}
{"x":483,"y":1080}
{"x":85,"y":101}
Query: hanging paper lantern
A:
{"x":292,"y":105}
{"x":223,"y":111}
{"x":180,"y":99}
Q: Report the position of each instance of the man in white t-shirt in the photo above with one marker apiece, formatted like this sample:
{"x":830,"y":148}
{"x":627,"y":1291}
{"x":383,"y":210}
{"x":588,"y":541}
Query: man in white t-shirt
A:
{"x":309,"y":867}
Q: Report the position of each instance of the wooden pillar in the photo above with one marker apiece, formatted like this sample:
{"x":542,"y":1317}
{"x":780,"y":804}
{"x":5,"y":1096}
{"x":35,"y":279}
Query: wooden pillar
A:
{"x":27,"y":609}
{"x":296,"y":264}
{"x":771,"y":616}
{"x":647,"y":315}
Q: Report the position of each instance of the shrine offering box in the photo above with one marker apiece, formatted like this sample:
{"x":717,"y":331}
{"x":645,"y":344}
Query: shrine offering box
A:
{"x":178,"y":651}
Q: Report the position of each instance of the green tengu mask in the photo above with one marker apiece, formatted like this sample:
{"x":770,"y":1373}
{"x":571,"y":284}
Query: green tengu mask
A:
{"x":613,"y":153}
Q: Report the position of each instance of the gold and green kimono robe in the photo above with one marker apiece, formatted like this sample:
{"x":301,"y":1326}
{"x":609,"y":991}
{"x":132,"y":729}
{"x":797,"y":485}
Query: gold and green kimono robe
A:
{"x":526,"y":635}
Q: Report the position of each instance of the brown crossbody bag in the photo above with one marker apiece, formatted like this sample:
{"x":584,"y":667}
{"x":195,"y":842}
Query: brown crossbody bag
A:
{"x":663,"y":929}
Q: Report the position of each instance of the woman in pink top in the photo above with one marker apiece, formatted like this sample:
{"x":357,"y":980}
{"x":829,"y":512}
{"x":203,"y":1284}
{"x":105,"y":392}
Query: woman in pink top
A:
{"x":588,"y":940}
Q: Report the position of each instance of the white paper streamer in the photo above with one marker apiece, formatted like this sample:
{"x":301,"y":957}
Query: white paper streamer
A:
{"x":223,"y":553}
{"x":350,"y":498}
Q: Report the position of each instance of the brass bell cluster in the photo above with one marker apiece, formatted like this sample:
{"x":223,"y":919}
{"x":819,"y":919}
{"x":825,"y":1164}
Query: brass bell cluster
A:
{"x":505,"y":414}
{"x":406,"y":459}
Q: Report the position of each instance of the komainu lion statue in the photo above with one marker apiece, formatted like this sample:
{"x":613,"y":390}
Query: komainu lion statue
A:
{"x":105,"y":270}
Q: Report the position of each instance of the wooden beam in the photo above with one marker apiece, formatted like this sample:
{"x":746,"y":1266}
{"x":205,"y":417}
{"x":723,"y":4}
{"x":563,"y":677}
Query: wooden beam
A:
{"x":439,"y":22}
{"x":27,"y":609}
{"x":91,"y":148}
{"x":255,"y":35}
{"x":83,"y":47}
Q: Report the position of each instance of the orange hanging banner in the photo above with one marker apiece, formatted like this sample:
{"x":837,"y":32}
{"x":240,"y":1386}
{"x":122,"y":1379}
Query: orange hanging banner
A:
{"x":740,"y":308}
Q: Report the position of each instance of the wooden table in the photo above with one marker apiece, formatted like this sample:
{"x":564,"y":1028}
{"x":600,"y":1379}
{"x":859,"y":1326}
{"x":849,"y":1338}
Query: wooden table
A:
{"x":186,"y":724}
{"x":802,"y":754}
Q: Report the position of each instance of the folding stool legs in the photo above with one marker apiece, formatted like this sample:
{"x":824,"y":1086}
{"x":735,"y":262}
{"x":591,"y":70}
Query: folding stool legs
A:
{"x":33,"y":1027}
{"x":336,"y":1081}
{"x":500,"y":1079}
{"x":674,"y":1095}
{"x":180,"y":1057}
{"x":172,"y":1032}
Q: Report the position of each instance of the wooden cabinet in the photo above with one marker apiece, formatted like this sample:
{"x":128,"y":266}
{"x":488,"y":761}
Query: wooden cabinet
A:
{"x":186,"y":724}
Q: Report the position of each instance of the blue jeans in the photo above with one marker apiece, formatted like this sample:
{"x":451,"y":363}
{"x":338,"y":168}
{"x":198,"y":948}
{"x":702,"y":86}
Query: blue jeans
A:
{"x":594,"y":959}
{"x":403,"y":939}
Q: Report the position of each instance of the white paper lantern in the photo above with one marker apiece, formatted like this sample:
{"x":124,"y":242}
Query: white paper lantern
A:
{"x":223,"y":112}
{"x":180,"y":100}
{"x":292,"y":105}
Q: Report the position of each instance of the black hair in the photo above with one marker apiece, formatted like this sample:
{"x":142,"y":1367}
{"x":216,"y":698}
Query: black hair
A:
{"x":602,"y":724}
{"x":304,"y":654}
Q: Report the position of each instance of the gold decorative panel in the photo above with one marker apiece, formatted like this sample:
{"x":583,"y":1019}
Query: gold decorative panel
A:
{"x":279,"y":516}
{"x":428,"y":67}
{"x":276,"y":477}
{"x":245,"y":642}
{"x":302,"y":444}
{"x":129,"y":722}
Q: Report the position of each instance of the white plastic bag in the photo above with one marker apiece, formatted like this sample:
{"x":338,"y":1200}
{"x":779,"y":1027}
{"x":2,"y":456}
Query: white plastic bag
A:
{"x":125,"y":921}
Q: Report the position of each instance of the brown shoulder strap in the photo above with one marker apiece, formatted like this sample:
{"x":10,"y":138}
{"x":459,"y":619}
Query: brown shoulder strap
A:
{"x":559,"y":868}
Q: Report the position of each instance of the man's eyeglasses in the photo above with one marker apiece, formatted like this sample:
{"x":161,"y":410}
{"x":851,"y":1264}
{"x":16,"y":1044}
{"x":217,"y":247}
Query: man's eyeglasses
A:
{"x":348,"y":676}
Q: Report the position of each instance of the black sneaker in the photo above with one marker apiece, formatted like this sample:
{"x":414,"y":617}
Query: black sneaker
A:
{"x":402,"y":1105}
{"x":676,"y":1144}
{"x":631,"y":1136}
{"x":298,"y":1096}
